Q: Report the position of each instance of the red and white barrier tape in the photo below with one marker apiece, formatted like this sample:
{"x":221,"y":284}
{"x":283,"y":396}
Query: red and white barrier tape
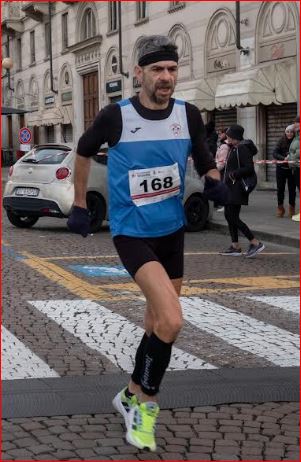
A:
{"x":274,"y":161}
{"x":264,"y":161}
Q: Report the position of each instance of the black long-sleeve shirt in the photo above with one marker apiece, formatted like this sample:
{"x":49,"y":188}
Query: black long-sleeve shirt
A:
{"x":107,"y":128}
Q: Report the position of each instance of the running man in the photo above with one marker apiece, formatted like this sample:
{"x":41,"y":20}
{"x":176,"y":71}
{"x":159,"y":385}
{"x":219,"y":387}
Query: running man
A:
{"x":150,"y":137}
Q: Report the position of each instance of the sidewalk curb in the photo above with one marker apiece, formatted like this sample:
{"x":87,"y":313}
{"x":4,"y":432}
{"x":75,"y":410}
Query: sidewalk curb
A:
{"x":276,"y":238}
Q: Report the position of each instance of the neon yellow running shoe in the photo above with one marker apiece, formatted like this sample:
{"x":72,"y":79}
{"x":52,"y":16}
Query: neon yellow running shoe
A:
{"x":142,"y":422}
{"x":123,"y":404}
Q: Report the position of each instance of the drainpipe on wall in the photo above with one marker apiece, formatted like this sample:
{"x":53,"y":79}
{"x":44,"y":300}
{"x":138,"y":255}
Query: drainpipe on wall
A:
{"x":126,"y":74}
{"x":242,"y":50}
{"x":50,"y":50}
{"x":8,"y":70}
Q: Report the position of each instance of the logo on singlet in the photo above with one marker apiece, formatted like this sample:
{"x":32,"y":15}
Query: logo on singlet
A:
{"x":176,"y":129}
{"x":135,"y":129}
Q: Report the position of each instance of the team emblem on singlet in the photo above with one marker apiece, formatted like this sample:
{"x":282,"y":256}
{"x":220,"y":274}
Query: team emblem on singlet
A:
{"x":150,"y":185}
{"x":176,"y":129}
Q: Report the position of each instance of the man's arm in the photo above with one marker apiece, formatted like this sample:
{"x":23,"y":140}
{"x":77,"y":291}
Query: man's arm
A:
{"x":106,"y":127}
{"x":79,"y":221}
{"x":81,"y":175}
{"x":202,"y":158}
{"x":89,"y":144}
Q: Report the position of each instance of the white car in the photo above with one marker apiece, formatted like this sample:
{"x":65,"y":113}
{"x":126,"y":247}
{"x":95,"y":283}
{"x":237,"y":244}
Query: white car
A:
{"x":41,"y":184}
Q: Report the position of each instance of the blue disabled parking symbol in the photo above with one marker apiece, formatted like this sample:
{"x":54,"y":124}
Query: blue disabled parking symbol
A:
{"x":100,"y":271}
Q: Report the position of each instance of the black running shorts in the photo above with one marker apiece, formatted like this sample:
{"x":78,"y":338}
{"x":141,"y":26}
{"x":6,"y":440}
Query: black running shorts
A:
{"x":167,"y":250}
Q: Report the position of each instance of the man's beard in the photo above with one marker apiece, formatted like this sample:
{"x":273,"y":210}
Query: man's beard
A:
{"x":161,"y":99}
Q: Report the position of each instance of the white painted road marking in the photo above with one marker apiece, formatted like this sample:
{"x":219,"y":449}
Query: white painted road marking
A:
{"x":109,"y":333}
{"x":19,"y":362}
{"x":265,"y":340}
{"x":117,"y":338}
{"x":284,"y":302}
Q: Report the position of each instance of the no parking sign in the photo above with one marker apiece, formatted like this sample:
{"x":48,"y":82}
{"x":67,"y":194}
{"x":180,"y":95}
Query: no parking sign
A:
{"x":24,"y":135}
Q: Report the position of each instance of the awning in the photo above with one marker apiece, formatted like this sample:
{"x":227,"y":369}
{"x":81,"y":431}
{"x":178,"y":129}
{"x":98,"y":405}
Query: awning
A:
{"x":67,"y":114}
{"x":275,"y":83}
{"x":199,"y":92}
{"x":44,"y":118}
{"x":12,"y":110}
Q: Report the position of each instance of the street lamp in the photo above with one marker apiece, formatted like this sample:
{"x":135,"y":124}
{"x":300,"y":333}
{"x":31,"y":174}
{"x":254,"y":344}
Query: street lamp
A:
{"x":7,"y":64}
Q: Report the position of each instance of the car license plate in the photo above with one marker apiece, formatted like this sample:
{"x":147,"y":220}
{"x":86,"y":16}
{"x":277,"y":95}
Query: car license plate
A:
{"x":27,"y":192}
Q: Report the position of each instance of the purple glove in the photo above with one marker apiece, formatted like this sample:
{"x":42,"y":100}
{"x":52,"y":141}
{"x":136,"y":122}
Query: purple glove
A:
{"x":216,"y":191}
{"x":79,"y":221}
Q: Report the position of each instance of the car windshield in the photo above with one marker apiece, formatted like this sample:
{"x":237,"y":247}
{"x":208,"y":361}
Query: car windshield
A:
{"x":46,"y":156}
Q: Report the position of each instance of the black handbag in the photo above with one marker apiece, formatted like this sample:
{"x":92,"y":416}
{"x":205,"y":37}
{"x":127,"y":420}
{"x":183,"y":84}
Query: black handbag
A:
{"x":248,"y":184}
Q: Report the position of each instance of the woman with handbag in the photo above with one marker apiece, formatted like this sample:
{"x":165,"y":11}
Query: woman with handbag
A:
{"x":240,"y":177}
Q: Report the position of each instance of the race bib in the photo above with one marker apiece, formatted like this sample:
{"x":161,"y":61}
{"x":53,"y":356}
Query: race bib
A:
{"x":150,"y":185}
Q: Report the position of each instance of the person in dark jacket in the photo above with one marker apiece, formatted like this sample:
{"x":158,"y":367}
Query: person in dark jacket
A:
{"x":294,"y":156}
{"x":235,"y":170}
{"x":211,"y":137}
{"x":284,"y":173}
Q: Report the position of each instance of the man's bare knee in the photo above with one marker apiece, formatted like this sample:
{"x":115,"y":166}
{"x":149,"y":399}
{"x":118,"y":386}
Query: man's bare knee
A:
{"x":169,"y":322}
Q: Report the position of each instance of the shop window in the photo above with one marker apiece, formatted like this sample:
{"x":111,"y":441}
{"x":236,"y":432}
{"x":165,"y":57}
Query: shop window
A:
{"x":115,"y":99}
{"x":88,"y":28}
{"x":67,"y":133}
{"x":50,"y":134}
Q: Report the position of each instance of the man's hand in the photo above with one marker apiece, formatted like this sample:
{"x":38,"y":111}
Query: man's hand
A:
{"x":79,"y":221}
{"x":215,"y":190}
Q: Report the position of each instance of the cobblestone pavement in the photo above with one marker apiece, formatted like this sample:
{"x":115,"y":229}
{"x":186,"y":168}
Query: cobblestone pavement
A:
{"x":265,"y":431}
{"x":39,"y":274}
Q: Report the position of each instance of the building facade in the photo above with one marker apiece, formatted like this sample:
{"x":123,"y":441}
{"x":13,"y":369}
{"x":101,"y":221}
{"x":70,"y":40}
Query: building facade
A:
{"x":238,"y":64}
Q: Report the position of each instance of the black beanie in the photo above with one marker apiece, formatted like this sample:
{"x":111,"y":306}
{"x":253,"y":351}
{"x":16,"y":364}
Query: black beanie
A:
{"x":236,"y":132}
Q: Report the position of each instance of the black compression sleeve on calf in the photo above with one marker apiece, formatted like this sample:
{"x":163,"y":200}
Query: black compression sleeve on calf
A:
{"x":136,"y":375}
{"x":156,"y":359}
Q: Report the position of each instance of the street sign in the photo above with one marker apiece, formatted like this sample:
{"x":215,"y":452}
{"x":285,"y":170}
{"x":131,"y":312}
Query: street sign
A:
{"x":24,"y":135}
{"x":25,"y":147}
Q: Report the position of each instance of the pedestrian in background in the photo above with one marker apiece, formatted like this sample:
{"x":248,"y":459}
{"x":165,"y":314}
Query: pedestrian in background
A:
{"x":294,"y":156}
{"x":284,"y":174}
{"x":150,"y":137}
{"x":239,"y":165}
{"x":211,"y":137}
{"x":221,"y":136}
{"x":221,"y":156}
{"x":220,"y":160}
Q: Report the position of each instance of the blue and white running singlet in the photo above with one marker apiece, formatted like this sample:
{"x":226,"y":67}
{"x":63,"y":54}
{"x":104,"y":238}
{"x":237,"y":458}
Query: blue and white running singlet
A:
{"x":146,"y":171}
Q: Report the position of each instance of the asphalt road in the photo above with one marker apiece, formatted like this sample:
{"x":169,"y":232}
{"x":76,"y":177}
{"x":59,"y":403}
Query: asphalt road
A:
{"x":72,"y":316}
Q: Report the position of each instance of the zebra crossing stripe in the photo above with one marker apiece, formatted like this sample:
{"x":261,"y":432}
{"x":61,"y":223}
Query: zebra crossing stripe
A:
{"x":109,"y":333}
{"x":288,"y":303}
{"x":265,"y":340}
{"x":19,"y":362}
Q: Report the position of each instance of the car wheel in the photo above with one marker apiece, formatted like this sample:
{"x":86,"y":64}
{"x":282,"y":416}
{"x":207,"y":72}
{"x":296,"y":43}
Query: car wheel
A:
{"x":21,"y":222}
{"x":96,"y":208}
{"x":196,"y":211}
